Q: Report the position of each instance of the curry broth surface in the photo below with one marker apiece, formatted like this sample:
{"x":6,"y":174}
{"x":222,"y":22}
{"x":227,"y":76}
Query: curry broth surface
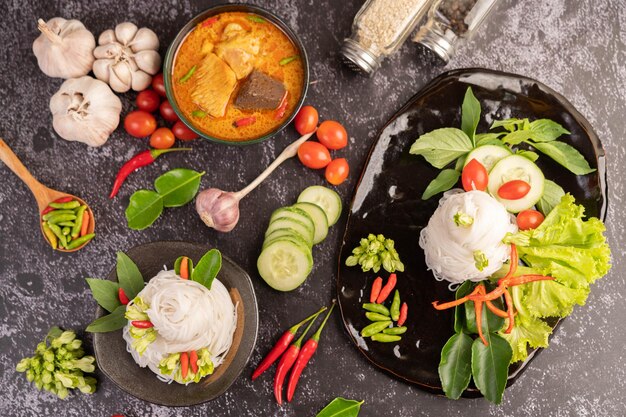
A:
{"x":274,"y":46}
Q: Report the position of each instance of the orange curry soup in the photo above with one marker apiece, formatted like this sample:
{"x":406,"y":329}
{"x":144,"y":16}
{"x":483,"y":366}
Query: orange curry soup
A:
{"x":273,"y":47}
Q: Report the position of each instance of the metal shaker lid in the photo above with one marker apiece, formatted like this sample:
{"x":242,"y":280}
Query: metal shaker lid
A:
{"x":359,"y":59}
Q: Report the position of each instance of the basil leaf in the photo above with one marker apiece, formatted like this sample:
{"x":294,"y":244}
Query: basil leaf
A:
{"x":552,"y":193}
{"x":459,"y":311}
{"x":105,"y":293}
{"x":566,"y":156}
{"x":490,"y":366}
{"x":517,"y":137}
{"x":208,"y":268}
{"x":546,"y":130}
{"x":490,"y":322}
{"x":509,"y":124}
{"x":460,"y":163}
{"x":455,"y":369}
{"x":489,"y":139}
{"x":128,"y":276}
{"x":178,"y":186}
{"x":144,"y":208}
{"x":527,"y":154}
{"x":53,"y":333}
{"x":470,"y":114}
{"x":340,"y":407}
{"x":179,"y":260}
{"x":110,"y":322}
{"x":444,"y":181}
{"x":442,"y":146}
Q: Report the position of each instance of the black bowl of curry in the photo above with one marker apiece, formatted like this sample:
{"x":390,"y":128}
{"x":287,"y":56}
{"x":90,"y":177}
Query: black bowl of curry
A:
{"x":236,"y":74}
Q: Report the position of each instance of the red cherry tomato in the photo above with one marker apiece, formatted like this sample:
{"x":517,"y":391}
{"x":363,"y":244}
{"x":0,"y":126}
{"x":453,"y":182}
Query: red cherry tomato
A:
{"x":167,"y":112}
{"x":158,"y":85}
{"x":148,"y":100}
{"x":332,"y":135}
{"x":182,"y":132}
{"x":313,"y":155}
{"x":337,"y":171}
{"x":474,"y":176}
{"x":306,"y":120}
{"x":529,"y":219}
{"x":139,"y":123}
{"x":513,"y":190}
{"x":162,"y":138}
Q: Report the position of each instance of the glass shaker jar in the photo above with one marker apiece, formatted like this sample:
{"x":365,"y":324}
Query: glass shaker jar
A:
{"x":449,"y":21}
{"x":379,"y":29}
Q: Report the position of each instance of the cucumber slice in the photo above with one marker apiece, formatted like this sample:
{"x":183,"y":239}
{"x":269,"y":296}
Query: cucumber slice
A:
{"x":319,"y":220}
{"x":288,"y":234}
{"x":284,"y":265}
{"x":516,"y":167}
{"x":293,"y":213}
{"x":488,"y":155}
{"x":327,"y":199}
{"x":284,"y":223}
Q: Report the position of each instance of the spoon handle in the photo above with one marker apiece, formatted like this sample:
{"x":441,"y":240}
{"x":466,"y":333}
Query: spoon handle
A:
{"x":289,"y":152}
{"x":13,"y":162}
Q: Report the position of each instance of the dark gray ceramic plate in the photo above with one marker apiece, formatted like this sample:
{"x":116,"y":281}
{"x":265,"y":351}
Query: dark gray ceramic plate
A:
{"x":387,"y":200}
{"x":117,"y":364}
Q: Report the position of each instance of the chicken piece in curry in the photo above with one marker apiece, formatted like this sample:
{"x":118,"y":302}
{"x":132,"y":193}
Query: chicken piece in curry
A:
{"x":237,"y":76}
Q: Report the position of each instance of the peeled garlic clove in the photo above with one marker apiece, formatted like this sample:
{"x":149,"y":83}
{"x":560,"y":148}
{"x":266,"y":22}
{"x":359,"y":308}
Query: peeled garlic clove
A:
{"x":141,"y":80}
{"x":218,"y":209}
{"x":101,"y":69}
{"x":108,"y":36}
{"x":144,"y":39}
{"x":120,"y":77}
{"x":124,"y":32}
{"x":148,"y":61}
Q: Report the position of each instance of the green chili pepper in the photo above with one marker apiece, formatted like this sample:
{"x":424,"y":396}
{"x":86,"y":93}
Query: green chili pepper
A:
{"x":256,"y":19}
{"x":59,"y":234}
{"x":188,"y":75}
{"x":47,"y":216}
{"x":395,"y":306}
{"x":80,"y":241}
{"x":376,"y":316}
{"x":63,"y":224}
{"x":395,"y":330}
{"x":66,"y":230}
{"x":288,"y":59}
{"x":374,"y":328}
{"x":61,"y":218}
{"x":198,"y":113}
{"x":69,"y":205}
{"x":385,"y":338}
{"x":52,"y":239}
{"x":376,"y":308}
{"x":79,"y":221}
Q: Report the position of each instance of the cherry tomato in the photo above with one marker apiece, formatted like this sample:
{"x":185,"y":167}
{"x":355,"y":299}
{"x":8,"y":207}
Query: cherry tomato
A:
{"x":529,"y":219}
{"x":337,"y":171}
{"x":140,"y":123}
{"x":162,"y":138}
{"x":306,"y":120}
{"x":514,"y":190}
{"x":182,"y":132}
{"x":158,"y":85}
{"x":148,"y":100}
{"x":474,"y":176}
{"x":167,"y":112}
{"x":313,"y":155}
{"x":332,"y":135}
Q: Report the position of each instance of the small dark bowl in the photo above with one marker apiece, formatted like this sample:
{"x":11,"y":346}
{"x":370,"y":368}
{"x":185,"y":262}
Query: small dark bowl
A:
{"x":168,"y":65}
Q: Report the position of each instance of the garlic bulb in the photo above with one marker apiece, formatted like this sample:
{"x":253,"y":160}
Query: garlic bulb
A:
{"x":85,"y":110}
{"x":64,"y":49}
{"x":127,"y":57}
{"x":218,"y":209}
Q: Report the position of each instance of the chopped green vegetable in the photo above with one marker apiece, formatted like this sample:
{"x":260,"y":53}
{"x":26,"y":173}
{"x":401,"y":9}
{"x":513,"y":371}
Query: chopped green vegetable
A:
{"x":288,"y":59}
{"x":256,"y":19}
{"x":480,"y":260}
{"x":198,"y":113}
{"x":188,"y":75}
{"x":374,"y":252}
{"x":463,"y":219}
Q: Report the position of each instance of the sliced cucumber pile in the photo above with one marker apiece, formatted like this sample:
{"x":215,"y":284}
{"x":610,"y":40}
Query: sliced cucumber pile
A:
{"x":286,"y":259}
{"x":516,"y":167}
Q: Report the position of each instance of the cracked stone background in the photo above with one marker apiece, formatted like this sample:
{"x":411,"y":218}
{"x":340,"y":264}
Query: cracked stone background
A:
{"x":576,"y":47}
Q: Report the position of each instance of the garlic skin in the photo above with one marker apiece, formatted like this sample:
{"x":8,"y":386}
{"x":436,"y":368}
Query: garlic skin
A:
{"x":64,"y":49}
{"x":85,"y":110}
{"x":127,"y":57}
{"x":218,"y":209}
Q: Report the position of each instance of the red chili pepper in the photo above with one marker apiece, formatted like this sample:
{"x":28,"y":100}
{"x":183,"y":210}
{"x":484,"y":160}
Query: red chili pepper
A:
{"x":386,"y":290}
{"x":510,"y":312}
{"x":376,"y":287}
{"x":184,"y":364}
{"x":142,"y":324}
{"x":305,"y":355}
{"x":122,"y":296}
{"x":478,"y":310}
{"x":193,"y":361}
{"x":138,"y":161}
{"x":66,"y":199}
{"x":282,"y":107}
{"x":209,"y":22}
{"x":246,"y":121}
{"x":495,"y":310}
{"x":281,"y":346}
{"x":47,"y":210}
{"x":184,"y":268}
{"x":286,"y":362}
{"x":404,"y":311}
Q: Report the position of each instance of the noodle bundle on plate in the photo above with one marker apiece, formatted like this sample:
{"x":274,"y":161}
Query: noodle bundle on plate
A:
{"x":188,"y":319}
{"x":463,"y":238}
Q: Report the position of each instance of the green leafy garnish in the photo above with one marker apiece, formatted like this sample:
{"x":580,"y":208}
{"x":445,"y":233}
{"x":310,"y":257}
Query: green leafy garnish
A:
{"x":446,"y":179}
{"x":470,"y":115}
{"x":128,"y":276}
{"x":340,"y":407}
{"x":442,"y":146}
{"x":104,"y":292}
{"x":208,"y":268}
{"x":110,"y":322}
{"x":552,"y":194}
{"x":374,"y":252}
{"x":490,"y":366}
{"x":455,"y":370}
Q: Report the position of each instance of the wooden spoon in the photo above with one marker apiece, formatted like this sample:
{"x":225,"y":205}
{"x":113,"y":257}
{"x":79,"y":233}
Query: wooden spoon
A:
{"x":43,"y":194}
